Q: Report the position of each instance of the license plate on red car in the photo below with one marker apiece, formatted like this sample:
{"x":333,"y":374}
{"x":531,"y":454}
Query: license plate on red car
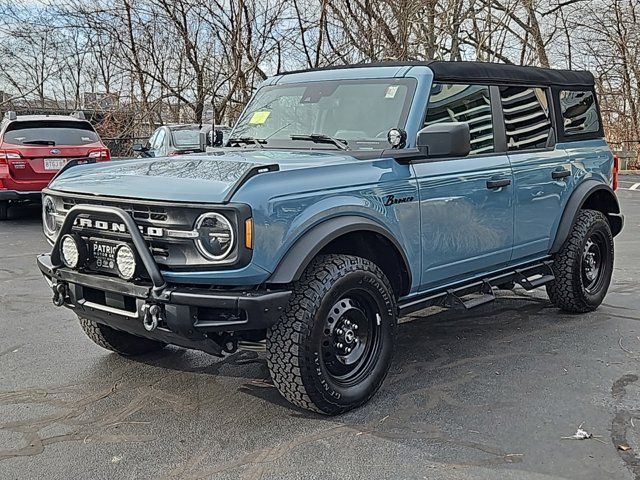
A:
{"x":55,"y":163}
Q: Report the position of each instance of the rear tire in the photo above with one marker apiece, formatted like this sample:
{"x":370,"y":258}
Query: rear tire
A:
{"x":117,"y":341}
{"x":584,"y":265}
{"x":4,"y":210}
{"x":331,"y":349}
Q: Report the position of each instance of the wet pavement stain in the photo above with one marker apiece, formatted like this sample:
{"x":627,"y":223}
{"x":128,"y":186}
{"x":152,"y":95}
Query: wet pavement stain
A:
{"x":623,"y":423}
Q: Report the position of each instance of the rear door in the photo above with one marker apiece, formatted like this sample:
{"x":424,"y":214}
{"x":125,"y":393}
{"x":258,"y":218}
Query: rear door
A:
{"x":466,"y":204}
{"x":541,"y":172}
{"x":45,"y":146}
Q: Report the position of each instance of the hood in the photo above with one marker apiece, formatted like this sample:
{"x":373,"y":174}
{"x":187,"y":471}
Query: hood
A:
{"x":190,"y":178}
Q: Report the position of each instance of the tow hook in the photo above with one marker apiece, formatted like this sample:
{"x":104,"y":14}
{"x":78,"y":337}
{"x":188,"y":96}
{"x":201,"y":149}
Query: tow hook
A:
{"x":153,"y":314}
{"x":59,"y":294}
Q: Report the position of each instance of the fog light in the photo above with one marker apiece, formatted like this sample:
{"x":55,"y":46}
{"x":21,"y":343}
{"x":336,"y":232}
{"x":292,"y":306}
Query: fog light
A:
{"x":126,"y":262}
{"x":70,"y":251}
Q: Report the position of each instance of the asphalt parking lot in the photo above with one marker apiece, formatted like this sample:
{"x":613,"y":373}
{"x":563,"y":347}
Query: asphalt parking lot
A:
{"x":482,"y":394}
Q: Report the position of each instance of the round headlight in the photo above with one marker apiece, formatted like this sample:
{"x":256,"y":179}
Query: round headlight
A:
{"x":49,"y":216}
{"x":215,"y":236}
{"x":70,"y":251}
{"x":125,"y":262}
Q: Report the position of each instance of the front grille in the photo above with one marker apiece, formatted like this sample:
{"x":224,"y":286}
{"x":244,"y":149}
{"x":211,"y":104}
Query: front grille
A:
{"x":171,"y":250}
{"x":138,"y":212}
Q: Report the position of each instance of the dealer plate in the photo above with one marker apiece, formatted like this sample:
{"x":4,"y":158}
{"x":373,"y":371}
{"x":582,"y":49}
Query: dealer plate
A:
{"x":102,"y":254}
{"x":55,"y":163}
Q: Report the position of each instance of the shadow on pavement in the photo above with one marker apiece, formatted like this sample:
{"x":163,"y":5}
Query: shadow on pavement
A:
{"x":429,"y":340}
{"x":27,"y":213}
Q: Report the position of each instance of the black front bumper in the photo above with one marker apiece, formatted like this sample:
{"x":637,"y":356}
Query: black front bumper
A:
{"x":19,"y":195}
{"x":192,"y":317}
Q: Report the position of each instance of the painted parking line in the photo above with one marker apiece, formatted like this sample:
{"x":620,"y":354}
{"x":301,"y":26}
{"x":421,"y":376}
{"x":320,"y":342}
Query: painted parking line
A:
{"x":634,"y":186}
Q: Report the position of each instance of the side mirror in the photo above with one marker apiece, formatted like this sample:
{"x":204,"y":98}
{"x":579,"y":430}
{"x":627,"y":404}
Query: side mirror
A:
{"x":138,"y":147}
{"x":451,"y":139}
{"x":217,"y":138}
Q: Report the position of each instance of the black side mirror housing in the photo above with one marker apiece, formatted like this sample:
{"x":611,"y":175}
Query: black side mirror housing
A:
{"x":451,"y":139}
{"x":217,"y":138}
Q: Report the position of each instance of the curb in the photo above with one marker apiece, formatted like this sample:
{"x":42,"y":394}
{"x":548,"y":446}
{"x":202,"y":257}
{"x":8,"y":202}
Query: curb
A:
{"x":629,"y":172}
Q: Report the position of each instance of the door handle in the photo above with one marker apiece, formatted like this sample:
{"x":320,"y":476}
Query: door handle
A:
{"x":493,"y":184}
{"x":558,"y":174}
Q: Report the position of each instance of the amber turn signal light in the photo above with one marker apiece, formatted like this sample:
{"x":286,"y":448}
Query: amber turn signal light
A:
{"x":248,"y":233}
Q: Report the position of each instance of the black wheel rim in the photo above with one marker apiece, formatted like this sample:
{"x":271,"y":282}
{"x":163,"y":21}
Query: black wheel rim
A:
{"x":593,"y":262}
{"x":351,"y":338}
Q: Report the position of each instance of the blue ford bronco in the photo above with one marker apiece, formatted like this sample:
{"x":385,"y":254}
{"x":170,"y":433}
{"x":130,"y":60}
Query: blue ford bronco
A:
{"x":343,"y":199}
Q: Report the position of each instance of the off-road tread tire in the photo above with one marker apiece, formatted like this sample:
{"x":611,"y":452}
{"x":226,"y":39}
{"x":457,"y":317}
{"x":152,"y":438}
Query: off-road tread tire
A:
{"x":4,"y":211}
{"x":284,"y":339}
{"x":120,"y":342}
{"x":566,"y":291}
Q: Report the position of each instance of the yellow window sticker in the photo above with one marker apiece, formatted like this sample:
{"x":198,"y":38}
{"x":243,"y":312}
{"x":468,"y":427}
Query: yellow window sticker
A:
{"x":258,"y":118}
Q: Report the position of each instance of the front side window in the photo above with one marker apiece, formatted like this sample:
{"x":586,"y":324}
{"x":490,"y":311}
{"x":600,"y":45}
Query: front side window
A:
{"x":360,"y":112}
{"x":152,"y":139}
{"x":579,"y":112}
{"x":464,"y":103}
{"x":158,"y":140}
{"x":527,"y":118}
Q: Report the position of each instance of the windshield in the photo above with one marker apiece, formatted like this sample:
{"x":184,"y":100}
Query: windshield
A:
{"x":48,"y":132}
{"x":359,"y":111}
{"x":186,"y":138}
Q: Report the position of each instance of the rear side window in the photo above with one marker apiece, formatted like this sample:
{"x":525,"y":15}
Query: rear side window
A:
{"x":579,"y":112}
{"x":186,"y":138}
{"x":48,"y":132}
{"x":527,"y":118}
{"x":464,"y":103}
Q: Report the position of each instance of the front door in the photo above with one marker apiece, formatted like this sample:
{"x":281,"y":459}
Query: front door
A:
{"x":466,"y":204}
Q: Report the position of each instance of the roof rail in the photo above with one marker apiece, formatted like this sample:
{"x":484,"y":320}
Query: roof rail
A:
{"x":11,"y":115}
{"x":79,"y":115}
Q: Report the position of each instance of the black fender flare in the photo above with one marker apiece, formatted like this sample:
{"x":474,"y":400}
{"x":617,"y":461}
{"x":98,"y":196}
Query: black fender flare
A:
{"x":310,"y":243}
{"x":577,"y":200}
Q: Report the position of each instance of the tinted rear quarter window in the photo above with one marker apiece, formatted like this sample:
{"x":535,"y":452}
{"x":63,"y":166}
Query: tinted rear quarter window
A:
{"x":47,"y":132}
{"x":579,"y":112}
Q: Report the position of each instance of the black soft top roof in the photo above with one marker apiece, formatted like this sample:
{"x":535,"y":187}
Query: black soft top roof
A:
{"x":484,"y":72}
{"x":496,"y":73}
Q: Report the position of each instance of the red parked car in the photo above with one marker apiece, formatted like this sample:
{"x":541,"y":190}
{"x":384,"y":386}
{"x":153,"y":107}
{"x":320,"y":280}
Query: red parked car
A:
{"x":33,"y":148}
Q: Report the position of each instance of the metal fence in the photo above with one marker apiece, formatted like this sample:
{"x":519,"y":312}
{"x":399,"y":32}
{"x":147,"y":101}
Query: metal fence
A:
{"x":122,"y":147}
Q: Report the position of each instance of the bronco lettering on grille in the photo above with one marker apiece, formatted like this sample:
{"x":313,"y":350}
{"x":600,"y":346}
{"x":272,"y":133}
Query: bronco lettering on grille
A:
{"x":117,"y":227}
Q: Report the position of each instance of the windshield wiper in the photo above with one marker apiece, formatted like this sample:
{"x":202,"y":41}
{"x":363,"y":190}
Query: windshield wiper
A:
{"x":249,"y":140}
{"x":38,"y":142}
{"x":320,"y":138}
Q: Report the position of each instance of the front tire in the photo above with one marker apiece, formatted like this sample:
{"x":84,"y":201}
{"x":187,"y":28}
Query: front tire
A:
{"x":332,"y":348}
{"x":117,"y":341}
{"x":4,"y":210}
{"x":584,"y":265}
